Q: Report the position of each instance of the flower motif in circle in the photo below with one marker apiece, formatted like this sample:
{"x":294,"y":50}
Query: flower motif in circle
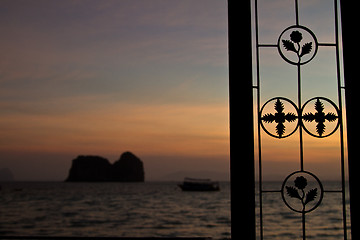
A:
{"x":297,"y":45}
{"x":300,"y":50}
{"x":301,"y":195}
{"x":296,"y":36}
{"x":300,"y":182}
{"x":305,"y":198}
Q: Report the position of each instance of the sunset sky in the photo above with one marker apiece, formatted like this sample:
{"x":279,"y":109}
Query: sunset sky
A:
{"x":100,"y":77}
{"x":103,"y":77}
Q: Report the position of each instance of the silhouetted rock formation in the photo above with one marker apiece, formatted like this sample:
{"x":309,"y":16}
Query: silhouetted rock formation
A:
{"x":128,"y":168}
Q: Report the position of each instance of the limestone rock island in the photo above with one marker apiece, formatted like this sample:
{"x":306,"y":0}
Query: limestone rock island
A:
{"x":128,"y":168}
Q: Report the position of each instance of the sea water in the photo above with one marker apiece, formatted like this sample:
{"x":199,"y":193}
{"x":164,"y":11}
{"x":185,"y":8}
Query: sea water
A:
{"x":150,"y":209}
{"x":323,"y":223}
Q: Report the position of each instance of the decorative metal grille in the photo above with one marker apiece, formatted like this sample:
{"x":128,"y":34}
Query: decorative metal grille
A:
{"x":279,"y":117}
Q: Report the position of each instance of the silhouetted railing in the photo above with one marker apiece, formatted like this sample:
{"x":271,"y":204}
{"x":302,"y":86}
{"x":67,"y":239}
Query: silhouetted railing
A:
{"x":318,"y":117}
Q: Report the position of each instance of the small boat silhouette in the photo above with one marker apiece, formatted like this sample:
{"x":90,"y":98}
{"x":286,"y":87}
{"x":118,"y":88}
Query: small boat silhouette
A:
{"x":193,"y":184}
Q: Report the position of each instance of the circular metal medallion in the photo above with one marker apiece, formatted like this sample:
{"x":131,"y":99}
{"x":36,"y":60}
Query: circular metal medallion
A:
{"x":302,"y":191}
{"x":279,"y":117}
{"x":320,"y":117}
{"x":297,"y":45}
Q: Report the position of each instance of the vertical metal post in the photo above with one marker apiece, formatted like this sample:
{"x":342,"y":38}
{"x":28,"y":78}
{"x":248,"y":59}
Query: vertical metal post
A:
{"x":241,"y":128}
{"x":351,"y":53}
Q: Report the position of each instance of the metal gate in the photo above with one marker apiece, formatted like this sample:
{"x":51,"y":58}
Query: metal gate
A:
{"x":298,"y":114}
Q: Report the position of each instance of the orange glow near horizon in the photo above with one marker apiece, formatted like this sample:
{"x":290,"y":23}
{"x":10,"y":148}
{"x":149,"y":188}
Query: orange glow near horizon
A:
{"x":150,"y":129}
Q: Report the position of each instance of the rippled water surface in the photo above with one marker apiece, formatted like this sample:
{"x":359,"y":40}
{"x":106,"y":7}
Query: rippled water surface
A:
{"x":113,"y":209}
{"x":324,"y":223}
{"x":151,"y":209}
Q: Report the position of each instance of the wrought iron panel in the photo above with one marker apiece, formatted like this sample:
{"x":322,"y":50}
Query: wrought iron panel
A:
{"x":303,"y":116}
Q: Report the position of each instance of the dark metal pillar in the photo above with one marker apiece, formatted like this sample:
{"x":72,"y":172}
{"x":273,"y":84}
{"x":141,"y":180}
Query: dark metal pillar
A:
{"x":241,"y":128}
{"x":351,"y":54}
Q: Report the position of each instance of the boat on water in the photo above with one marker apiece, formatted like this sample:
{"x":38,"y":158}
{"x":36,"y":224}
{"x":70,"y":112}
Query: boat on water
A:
{"x":193,"y":184}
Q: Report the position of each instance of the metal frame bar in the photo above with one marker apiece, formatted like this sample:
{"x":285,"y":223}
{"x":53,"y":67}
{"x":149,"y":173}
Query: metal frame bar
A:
{"x":342,"y":145}
{"x":242,"y":162}
{"x":350,"y":55}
